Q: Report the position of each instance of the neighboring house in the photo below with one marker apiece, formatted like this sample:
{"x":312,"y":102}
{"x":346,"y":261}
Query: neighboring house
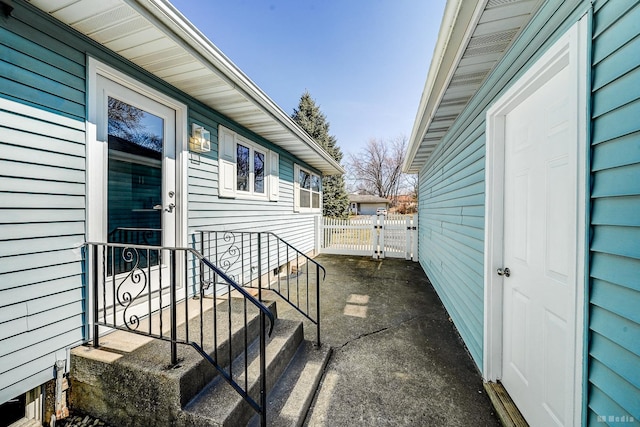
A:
{"x":527,"y":145}
{"x":116,"y":114}
{"x":364,"y":204}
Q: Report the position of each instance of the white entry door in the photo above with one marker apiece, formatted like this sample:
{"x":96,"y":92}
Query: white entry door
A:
{"x":140,"y":187}
{"x":139,"y":200}
{"x":540,"y":192}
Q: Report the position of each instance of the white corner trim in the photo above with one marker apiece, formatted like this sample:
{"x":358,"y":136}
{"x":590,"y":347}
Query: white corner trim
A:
{"x":582,"y":278}
{"x":569,"y":51}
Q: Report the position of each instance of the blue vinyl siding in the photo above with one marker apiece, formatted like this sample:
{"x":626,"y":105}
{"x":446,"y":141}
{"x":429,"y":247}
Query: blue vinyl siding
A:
{"x":452,"y":220}
{"x":40,"y":70}
{"x":453,"y":260}
{"x":42,"y":188}
{"x":614,"y":326}
{"x":207,"y":211}
{"x":452,"y":182}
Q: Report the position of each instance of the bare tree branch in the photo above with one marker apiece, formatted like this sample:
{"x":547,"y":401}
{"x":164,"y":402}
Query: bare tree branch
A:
{"x":377,"y":168}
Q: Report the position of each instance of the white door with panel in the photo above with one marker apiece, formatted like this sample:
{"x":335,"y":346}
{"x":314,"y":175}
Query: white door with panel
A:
{"x":139,"y":199}
{"x":540,"y":192}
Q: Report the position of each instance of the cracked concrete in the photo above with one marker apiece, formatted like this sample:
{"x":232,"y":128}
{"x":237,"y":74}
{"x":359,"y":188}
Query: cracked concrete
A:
{"x":397,"y":359}
{"x":362,"y":336}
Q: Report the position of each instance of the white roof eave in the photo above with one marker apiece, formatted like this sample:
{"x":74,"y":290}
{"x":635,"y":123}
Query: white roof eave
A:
{"x":466,"y":25}
{"x":293,"y":138}
{"x":154,"y":33}
{"x":454,"y":35}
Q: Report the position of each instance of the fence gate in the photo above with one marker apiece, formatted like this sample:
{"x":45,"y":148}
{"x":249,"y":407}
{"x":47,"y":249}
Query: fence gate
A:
{"x":378,"y":236}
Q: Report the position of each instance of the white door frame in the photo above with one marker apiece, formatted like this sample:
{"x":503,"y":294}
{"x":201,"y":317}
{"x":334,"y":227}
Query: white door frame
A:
{"x":97,"y":153}
{"x":569,"y":51}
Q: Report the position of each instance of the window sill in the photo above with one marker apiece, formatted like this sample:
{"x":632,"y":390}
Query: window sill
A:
{"x":242,"y":196}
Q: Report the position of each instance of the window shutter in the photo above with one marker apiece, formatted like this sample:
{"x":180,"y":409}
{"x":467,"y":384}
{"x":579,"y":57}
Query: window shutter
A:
{"x":296,"y":188}
{"x":226,"y":163}
{"x":274,"y":176}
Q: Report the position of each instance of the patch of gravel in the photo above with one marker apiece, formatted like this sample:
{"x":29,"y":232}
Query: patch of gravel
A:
{"x":81,"y":420}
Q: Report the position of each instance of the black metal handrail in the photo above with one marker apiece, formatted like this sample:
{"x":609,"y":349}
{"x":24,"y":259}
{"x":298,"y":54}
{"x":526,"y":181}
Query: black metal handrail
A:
{"x":247,"y":255}
{"x":137,"y":292}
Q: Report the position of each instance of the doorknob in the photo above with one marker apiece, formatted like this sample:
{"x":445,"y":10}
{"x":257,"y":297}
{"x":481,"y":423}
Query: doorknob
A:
{"x":168,"y":209}
{"x":504,"y":272}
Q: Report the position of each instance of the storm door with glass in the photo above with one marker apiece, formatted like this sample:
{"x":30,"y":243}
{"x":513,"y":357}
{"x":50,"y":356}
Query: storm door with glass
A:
{"x":139,"y":193}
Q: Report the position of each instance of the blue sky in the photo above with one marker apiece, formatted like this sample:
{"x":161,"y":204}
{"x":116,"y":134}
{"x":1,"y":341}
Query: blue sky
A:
{"x":363,"y":61}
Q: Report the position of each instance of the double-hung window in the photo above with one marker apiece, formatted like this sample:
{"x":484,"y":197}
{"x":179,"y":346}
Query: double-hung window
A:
{"x":308,"y":190}
{"x":246,"y":169}
{"x":250,"y":172}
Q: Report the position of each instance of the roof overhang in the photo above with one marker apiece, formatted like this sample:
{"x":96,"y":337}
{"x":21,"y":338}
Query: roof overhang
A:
{"x":474,"y":36}
{"x":154,"y":35}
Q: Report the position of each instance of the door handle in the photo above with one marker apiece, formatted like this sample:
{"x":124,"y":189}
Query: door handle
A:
{"x":168,"y":209}
{"x":504,"y":272}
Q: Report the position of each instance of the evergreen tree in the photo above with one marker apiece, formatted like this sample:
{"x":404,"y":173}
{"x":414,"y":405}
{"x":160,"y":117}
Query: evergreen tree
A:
{"x":335,"y":200}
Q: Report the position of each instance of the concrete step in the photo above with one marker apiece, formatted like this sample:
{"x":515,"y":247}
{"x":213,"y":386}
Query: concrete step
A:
{"x":25,"y":422}
{"x":289,"y":401}
{"x":220,"y":405}
{"x":128,"y":381}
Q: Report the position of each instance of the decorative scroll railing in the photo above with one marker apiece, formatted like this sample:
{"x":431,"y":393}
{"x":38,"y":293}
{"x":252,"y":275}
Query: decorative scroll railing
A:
{"x":262,"y":260}
{"x":138,"y":297}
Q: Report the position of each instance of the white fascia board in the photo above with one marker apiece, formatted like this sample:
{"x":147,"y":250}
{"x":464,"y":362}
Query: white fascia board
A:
{"x":190,"y":37}
{"x":458,"y":24}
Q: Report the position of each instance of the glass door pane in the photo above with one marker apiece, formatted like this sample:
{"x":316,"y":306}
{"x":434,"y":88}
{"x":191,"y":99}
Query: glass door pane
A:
{"x":135,"y":176}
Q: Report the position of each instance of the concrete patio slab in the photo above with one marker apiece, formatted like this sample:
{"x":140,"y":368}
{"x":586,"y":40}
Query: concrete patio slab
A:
{"x":397,"y":359}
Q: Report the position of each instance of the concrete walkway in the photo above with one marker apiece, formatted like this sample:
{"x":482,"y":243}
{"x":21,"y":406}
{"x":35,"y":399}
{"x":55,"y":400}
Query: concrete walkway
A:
{"x":397,"y":359}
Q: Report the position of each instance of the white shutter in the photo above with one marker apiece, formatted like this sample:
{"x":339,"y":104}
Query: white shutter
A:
{"x":296,"y":188}
{"x":226,"y":163}
{"x":274,"y":176}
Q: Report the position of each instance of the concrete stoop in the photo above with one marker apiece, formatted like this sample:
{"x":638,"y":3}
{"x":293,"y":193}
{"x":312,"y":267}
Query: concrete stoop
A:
{"x":291,"y":398}
{"x":128,"y":380}
{"x":25,"y":422}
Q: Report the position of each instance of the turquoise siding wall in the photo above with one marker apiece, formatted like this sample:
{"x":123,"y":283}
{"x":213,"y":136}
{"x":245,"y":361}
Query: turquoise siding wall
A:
{"x":452,"y":233}
{"x":42,"y":187}
{"x":452,"y":205}
{"x":42,"y":191}
{"x":207,"y":211}
{"x":451,"y":195}
{"x":614,"y":312}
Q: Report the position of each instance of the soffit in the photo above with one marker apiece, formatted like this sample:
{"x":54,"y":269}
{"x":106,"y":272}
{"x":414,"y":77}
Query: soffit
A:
{"x":477,"y":38}
{"x":158,"y":38}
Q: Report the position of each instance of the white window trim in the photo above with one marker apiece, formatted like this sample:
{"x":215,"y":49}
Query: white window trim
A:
{"x":296,"y":191}
{"x":228,"y":141}
{"x":253,"y":148}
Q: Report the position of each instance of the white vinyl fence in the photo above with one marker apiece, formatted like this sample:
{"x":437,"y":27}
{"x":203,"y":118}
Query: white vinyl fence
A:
{"x":378,"y":236}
